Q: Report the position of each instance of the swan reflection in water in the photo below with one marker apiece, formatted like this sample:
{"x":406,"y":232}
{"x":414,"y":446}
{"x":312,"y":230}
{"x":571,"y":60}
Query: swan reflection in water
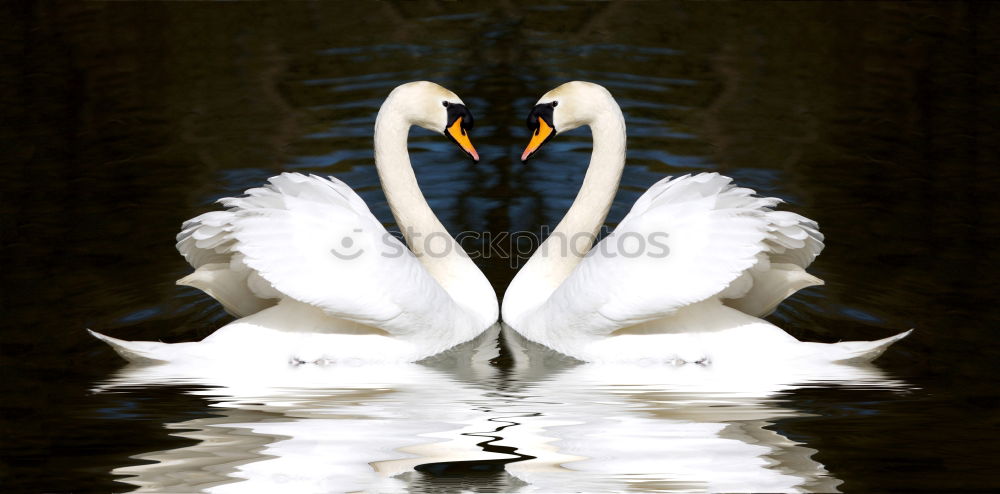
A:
{"x":538,"y":422}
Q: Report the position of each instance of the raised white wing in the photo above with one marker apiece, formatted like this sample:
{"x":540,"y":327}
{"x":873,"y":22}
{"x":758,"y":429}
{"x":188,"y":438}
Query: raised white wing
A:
{"x":793,"y":242}
{"x":684,"y":241}
{"x":313,"y":240}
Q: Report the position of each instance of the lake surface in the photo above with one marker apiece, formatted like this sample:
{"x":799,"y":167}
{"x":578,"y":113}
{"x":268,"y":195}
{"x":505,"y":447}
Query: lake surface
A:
{"x":878,"y":120}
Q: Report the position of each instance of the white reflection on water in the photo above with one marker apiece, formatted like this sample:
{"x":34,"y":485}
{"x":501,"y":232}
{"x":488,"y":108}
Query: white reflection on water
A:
{"x":664,"y":428}
{"x":543,"y":423}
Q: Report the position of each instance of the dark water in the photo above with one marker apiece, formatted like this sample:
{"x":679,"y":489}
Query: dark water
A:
{"x":879,"y":120}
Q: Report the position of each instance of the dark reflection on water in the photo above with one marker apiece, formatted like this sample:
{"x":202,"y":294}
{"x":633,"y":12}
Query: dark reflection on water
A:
{"x":878,"y":120}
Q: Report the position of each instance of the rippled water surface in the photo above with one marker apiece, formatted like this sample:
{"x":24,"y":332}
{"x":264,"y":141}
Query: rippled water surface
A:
{"x":879,"y":120}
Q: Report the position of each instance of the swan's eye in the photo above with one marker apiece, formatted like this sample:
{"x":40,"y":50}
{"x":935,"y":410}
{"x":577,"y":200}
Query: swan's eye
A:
{"x":555,"y":104}
{"x":456,"y":110}
{"x":445,"y":103}
{"x":541,"y":111}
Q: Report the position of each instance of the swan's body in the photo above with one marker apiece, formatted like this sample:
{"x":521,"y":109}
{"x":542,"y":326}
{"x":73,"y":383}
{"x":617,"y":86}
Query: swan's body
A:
{"x":315,"y":277}
{"x":686,"y":275}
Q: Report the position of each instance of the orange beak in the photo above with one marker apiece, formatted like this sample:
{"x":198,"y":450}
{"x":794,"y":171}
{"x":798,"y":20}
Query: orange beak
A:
{"x":542,"y":134}
{"x":458,"y":134}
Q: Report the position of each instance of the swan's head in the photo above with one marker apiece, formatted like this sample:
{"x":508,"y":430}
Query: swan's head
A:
{"x":565,"y":108}
{"x":431,"y":106}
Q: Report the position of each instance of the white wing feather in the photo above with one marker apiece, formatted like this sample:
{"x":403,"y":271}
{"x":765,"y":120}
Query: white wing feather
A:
{"x":315,"y":241}
{"x":717,"y":240}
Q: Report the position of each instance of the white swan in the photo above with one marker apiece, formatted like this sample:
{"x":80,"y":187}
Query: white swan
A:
{"x":314,"y":275}
{"x":686,"y":275}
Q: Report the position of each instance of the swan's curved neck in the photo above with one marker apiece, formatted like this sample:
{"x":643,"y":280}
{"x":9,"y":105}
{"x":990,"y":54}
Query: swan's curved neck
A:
{"x":440,"y":254}
{"x":392,"y":160}
{"x":560,"y":253}
{"x":585,"y":217}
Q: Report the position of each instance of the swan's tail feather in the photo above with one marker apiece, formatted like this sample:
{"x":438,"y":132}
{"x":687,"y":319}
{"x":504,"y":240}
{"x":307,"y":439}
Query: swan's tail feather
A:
{"x":133,"y":351}
{"x":866,"y":351}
